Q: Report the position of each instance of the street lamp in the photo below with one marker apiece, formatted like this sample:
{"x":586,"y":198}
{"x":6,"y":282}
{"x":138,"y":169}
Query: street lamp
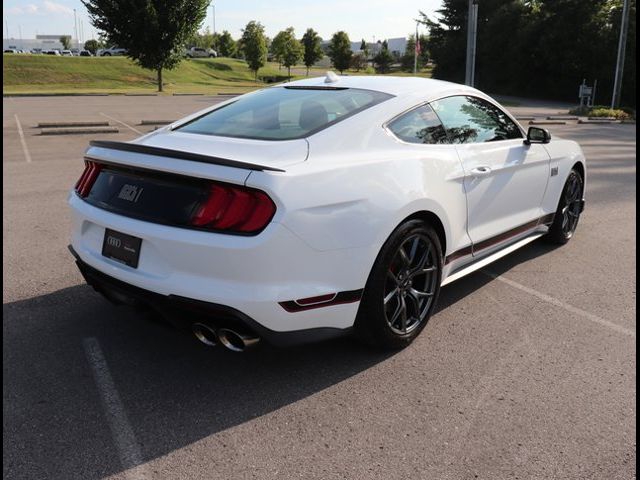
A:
{"x":472,"y":33}
{"x":75,"y":26}
{"x":622,"y":43}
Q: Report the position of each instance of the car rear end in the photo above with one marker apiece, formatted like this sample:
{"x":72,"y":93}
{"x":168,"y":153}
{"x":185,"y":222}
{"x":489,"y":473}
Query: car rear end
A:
{"x":192,"y":221}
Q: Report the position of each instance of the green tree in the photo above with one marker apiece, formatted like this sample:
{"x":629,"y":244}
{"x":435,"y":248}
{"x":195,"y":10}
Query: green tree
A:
{"x":358,"y":61}
{"x":254,"y":45}
{"x":365,"y":49}
{"x":312,"y":48}
{"x":542,"y":48}
{"x":340,"y":51}
{"x":92,"y":46}
{"x":408,"y":58}
{"x":424,"y":48}
{"x":65,"y":40}
{"x":204,"y":40}
{"x":226,"y":46}
{"x":153,"y":32}
{"x":292,"y":55}
{"x":383,"y":60}
{"x":279,"y":43}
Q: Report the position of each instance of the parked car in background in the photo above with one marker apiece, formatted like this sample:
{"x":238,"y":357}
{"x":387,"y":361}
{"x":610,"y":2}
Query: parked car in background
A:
{"x":67,"y":53}
{"x":75,"y":52}
{"x":215,"y":220}
{"x":52,"y":52}
{"x":85,"y":53}
{"x":10,"y":50}
{"x":113,"y":52}
{"x":36,"y":51}
{"x":197,"y":52}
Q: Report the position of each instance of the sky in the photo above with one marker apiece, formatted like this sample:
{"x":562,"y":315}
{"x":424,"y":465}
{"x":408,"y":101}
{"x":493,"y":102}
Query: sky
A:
{"x":369,"y":19}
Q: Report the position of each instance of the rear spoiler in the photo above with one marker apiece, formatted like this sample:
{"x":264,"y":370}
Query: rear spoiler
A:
{"x":166,"y":152}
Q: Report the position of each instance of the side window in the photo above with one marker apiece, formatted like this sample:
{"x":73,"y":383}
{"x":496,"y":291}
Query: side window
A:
{"x":420,"y":125}
{"x":473,"y":120}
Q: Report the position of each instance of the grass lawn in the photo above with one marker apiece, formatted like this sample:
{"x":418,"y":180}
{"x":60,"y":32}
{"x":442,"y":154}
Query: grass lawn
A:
{"x":48,"y":74}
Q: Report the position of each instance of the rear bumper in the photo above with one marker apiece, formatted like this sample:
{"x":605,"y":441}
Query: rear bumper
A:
{"x":254,"y":275}
{"x":183,"y":311}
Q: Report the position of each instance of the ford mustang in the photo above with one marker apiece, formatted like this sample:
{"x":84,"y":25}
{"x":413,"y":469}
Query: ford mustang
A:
{"x":319,"y":207}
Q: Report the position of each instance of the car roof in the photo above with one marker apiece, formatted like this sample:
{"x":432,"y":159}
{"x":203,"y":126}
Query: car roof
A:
{"x":393,"y":85}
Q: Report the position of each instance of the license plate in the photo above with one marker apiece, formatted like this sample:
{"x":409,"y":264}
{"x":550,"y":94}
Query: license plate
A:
{"x":121,"y":247}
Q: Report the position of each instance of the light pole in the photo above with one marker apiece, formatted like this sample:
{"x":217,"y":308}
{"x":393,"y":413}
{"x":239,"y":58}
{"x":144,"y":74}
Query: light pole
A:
{"x":75,"y":26}
{"x":622,"y":43}
{"x":472,"y":33}
{"x":415,"y":51}
{"x":6,"y":26}
{"x":213,"y":17}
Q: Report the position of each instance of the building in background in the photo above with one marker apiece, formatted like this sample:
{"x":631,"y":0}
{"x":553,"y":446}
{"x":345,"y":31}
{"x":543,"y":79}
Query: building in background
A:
{"x":42,"y":42}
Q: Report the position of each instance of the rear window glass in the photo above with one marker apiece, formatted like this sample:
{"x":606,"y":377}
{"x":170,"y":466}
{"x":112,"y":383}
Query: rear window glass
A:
{"x":284,"y":113}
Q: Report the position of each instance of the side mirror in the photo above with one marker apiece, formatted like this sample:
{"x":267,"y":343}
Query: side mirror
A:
{"x":537,"y":135}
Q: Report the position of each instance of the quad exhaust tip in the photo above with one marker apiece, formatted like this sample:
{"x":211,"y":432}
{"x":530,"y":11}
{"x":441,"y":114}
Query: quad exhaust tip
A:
{"x":230,"y":339}
{"x":205,"y":334}
{"x":236,"y":341}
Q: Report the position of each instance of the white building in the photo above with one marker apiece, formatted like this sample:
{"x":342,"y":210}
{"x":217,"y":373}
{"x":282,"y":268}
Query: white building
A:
{"x":397,"y":46}
{"x":42,"y":42}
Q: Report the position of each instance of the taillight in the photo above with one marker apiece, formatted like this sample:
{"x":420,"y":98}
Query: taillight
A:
{"x":234,"y":209}
{"x":88,"y":177}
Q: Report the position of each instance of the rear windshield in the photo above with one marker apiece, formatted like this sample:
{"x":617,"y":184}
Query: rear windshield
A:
{"x":284,"y":113}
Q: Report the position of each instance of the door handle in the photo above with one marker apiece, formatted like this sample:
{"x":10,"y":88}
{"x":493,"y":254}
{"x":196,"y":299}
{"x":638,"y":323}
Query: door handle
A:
{"x":481,"y":171}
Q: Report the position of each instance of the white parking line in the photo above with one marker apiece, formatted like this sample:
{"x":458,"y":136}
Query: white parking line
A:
{"x":121,"y":123}
{"x":561,"y":304}
{"x":124,"y":438}
{"x":27,"y":156}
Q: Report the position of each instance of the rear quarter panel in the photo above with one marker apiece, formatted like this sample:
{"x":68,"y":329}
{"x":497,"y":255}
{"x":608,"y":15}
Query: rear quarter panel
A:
{"x":360,"y":183}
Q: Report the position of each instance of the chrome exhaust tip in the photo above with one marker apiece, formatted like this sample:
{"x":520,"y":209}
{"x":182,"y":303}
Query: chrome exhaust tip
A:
{"x":205,"y":333}
{"x":235,"y":341}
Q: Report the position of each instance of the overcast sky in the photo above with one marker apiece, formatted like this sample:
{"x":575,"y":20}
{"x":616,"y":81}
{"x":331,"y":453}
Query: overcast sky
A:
{"x":360,"y":19}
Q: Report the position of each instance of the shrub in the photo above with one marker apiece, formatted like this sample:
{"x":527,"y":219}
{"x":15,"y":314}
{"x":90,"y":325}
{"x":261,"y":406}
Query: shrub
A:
{"x":602,"y":111}
{"x":608,"y":112}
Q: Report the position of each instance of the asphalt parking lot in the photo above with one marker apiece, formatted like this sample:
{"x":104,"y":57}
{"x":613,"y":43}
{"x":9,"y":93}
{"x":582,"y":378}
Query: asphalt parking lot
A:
{"x":526,"y":371}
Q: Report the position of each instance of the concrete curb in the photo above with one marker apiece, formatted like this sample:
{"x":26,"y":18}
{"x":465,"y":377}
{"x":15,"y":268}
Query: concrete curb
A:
{"x":597,"y":122}
{"x":9,"y":95}
{"x":156,"y":122}
{"x":185,"y":94}
{"x":71,"y":124}
{"x":140,"y":94}
{"x":547,"y":122}
{"x":562,"y":117}
{"x":526,"y":118}
{"x":612,"y":119}
{"x":76,"y":131}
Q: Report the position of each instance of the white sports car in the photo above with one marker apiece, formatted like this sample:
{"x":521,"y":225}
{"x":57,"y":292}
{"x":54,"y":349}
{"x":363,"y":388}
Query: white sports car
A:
{"x":319,"y":207}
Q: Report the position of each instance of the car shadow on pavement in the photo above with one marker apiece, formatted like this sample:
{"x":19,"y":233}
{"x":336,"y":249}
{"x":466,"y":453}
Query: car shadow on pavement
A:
{"x":174,"y":390}
{"x":452,"y":293}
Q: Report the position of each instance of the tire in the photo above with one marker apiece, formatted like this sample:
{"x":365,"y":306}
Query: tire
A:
{"x":568,"y":212}
{"x":106,"y":54}
{"x":382,"y":320}
{"x":212,"y":56}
